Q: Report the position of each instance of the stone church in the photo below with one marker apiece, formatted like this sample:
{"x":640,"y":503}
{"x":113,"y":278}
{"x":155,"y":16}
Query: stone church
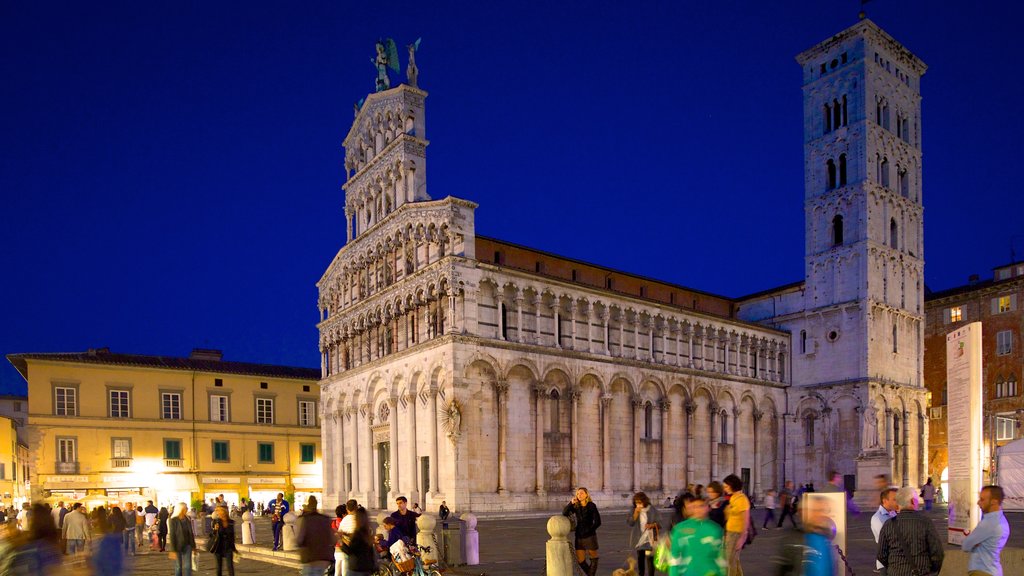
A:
{"x":495,"y":376}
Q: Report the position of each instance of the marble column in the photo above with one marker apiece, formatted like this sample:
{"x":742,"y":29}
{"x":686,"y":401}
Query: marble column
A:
{"x":340,"y":478}
{"x":906,"y":448}
{"x":736,"y":412}
{"x":357,"y":477}
{"x":757,"y":415}
{"x":665,"y":405}
{"x":638,"y":421}
{"x":434,"y":488}
{"x":572,"y":323}
{"x":923,"y":473}
{"x":328,"y":448}
{"x":501,"y":317}
{"x":393,"y":477}
{"x":519,"y":316}
{"x":412,"y":476}
{"x":713,"y":436}
{"x":541,"y":397}
{"x":690,"y":407}
{"x":606,"y":448}
{"x":501,"y":395}
{"x":537,"y":300}
{"x":574,"y":456}
{"x":590,"y":328}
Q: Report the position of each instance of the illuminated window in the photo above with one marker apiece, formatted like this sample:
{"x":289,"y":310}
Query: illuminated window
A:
{"x":170,"y":406}
{"x":308,"y":453}
{"x":264,"y":410}
{"x":1006,"y":388}
{"x":219,"y":409}
{"x":119,"y":404}
{"x":265,"y":451}
{"x":956,"y":314}
{"x":307,"y":413}
{"x":172,"y":449}
{"x":121,"y":448}
{"x":1003,"y":304}
{"x":66,"y":401}
{"x":1006,"y":428}
{"x":221,"y":452}
{"x":1004,"y":342}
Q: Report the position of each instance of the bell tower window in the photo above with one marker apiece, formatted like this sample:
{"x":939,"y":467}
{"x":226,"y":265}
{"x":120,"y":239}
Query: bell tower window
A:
{"x":893,"y":234}
{"x":831,"y":168}
{"x":837,"y":230}
{"x":842,"y":169}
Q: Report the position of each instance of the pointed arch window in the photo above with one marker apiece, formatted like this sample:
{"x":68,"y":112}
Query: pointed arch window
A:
{"x":837,"y":230}
{"x":724,"y":436}
{"x":884,"y":172}
{"x":837,"y":114}
{"x":842,"y":169}
{"x":830,"y":167}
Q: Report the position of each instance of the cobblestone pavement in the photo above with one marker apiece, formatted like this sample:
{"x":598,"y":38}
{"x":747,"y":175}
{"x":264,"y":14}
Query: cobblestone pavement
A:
{"x":516,"y":547}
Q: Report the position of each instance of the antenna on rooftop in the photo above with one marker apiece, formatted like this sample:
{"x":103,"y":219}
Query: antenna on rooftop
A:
{"x":863,"y":13}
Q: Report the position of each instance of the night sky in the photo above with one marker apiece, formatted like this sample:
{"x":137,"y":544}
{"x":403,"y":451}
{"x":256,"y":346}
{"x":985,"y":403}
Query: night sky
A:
{"x":171,"y":172}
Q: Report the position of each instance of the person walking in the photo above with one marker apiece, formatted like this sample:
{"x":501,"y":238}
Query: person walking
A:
{"x":77,"y":531}
{"x":222,"y":540}
{"x":769,"y":509}
{"x":985,"y":543}
{"x":716,"y":502}
{"x":37,"y":548}
{"x":315,"y":540}
{"x":788,"y":504}
{"x":645,"y":524}
{"x":588,"y":520}
{"x":358,"y":546}
{"x":808,"y":550}
{"x":130,"y":517}
{"x":886,"y":511}
{"x":278,"y":508}
{"x":161,"y":527}
{"x":695,"y":545}
{"x":928,"y":495}
{"x":908,"y":545}
{"x":737,"y":523}
{"x":107,"y":557}
{"x":182,"y":541}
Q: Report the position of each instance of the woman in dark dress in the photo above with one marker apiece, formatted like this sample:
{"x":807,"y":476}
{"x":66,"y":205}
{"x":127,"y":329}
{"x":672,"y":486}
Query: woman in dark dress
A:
{"x":358,"y":547}
{"x":716,"y":503}
{"x":588,"y":520}
{"x":222,"y":540}
{"x":161,"y":527}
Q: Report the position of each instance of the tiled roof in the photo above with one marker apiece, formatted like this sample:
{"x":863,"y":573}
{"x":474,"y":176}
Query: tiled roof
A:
{"x":20,"y":362}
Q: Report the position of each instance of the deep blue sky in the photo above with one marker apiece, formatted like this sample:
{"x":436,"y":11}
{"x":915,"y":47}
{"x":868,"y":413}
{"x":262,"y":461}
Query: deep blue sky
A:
{"x":170,"y":172}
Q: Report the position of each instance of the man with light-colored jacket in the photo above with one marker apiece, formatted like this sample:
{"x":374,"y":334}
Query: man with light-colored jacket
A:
{"x":76,"y":529}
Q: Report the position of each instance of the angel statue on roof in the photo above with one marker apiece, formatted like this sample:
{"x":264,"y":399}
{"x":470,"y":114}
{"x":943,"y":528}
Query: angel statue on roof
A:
{"x":387,"y":57}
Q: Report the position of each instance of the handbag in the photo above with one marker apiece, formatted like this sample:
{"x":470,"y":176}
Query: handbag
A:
{"x":212,"y":541}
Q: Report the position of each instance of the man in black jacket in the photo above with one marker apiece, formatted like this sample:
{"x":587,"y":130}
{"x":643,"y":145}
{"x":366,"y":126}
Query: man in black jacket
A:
{"x":908,"y":545}
{"x":315,"y":539}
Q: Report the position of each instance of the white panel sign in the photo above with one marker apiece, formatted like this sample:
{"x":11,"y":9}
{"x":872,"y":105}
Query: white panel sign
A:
{"x":964,"y":428}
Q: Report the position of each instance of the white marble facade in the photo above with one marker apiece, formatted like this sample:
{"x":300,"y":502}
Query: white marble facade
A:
{"x":447,"y":377}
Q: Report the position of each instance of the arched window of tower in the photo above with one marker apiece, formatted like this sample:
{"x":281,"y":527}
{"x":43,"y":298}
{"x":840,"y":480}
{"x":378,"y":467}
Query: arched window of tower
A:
{"x":884,"y":170}
{"x":831,"y":168}
{"x":827,"y":116}
{"x":837,"y":114}
{"x":893,"y":234}
{"x":837,"y":230}
{"x":842,"y":169}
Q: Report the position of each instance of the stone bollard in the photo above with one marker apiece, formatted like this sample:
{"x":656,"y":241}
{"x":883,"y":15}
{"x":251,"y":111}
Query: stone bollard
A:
{"x":197,"y":524}
{"x":472,"y":539}
{"x":560,"y":560}
{"x":425,"y":539}
{"x":248,"y":529}
{"x":289,"y":539}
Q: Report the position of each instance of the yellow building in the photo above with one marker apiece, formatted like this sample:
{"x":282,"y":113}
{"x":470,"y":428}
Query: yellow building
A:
{"x":114,"y":427}
{"x":14,"y":485}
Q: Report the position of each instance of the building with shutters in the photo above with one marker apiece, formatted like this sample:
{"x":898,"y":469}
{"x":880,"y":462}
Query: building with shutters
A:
{"x":996,"y":303}
{"x":112,"y":427}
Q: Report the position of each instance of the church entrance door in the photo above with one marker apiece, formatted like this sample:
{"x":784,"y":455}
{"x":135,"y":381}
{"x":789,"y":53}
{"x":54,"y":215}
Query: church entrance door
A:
{"x":383,"y":474}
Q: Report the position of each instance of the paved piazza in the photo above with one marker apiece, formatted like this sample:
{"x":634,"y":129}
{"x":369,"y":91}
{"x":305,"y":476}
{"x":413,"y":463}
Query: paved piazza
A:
{"x":516,"y":547}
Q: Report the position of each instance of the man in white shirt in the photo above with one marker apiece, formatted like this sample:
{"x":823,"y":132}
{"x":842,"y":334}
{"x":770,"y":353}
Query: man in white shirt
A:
{"x":886,"y":511}
{"x":985,"y":543}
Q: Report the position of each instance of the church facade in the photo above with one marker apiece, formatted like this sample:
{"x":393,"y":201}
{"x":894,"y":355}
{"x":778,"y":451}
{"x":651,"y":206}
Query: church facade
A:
{"x":463,"y":368}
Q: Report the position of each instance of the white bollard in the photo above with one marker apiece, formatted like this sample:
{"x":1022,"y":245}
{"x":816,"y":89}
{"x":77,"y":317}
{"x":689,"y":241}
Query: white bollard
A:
{"x":472,"y":539}
{"x":248,"y":529}
{"x":560,"y":560}
{"x":425,"y":539}
{"x":289,"y":539}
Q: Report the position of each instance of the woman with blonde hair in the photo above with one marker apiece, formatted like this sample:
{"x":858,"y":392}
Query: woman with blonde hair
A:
{"x":182,"y":541}
{"x":587,"y":519}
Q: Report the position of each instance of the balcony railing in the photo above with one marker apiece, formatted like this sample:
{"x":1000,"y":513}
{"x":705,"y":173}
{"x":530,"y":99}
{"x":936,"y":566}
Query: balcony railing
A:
{"x":120,"y":462}
{"x":66,"y":467}
{"x":173,"y":462}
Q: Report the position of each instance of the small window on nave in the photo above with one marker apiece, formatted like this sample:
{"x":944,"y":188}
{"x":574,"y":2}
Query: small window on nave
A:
{"x":837,"y":230}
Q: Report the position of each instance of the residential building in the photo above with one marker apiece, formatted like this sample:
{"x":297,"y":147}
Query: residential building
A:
{"x":497,"y":376}
{"x":106,"y":426}
{"x":996,"y":303}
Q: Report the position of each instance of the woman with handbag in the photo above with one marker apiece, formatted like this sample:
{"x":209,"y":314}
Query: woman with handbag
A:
{"x":645,"y":525}
{"x":222,"y":540}
{"x":182,"y":541}
{"x":583,"y":510}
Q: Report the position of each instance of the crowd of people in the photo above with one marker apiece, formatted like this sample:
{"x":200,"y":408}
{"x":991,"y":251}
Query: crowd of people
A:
{"x":709,"y":526}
